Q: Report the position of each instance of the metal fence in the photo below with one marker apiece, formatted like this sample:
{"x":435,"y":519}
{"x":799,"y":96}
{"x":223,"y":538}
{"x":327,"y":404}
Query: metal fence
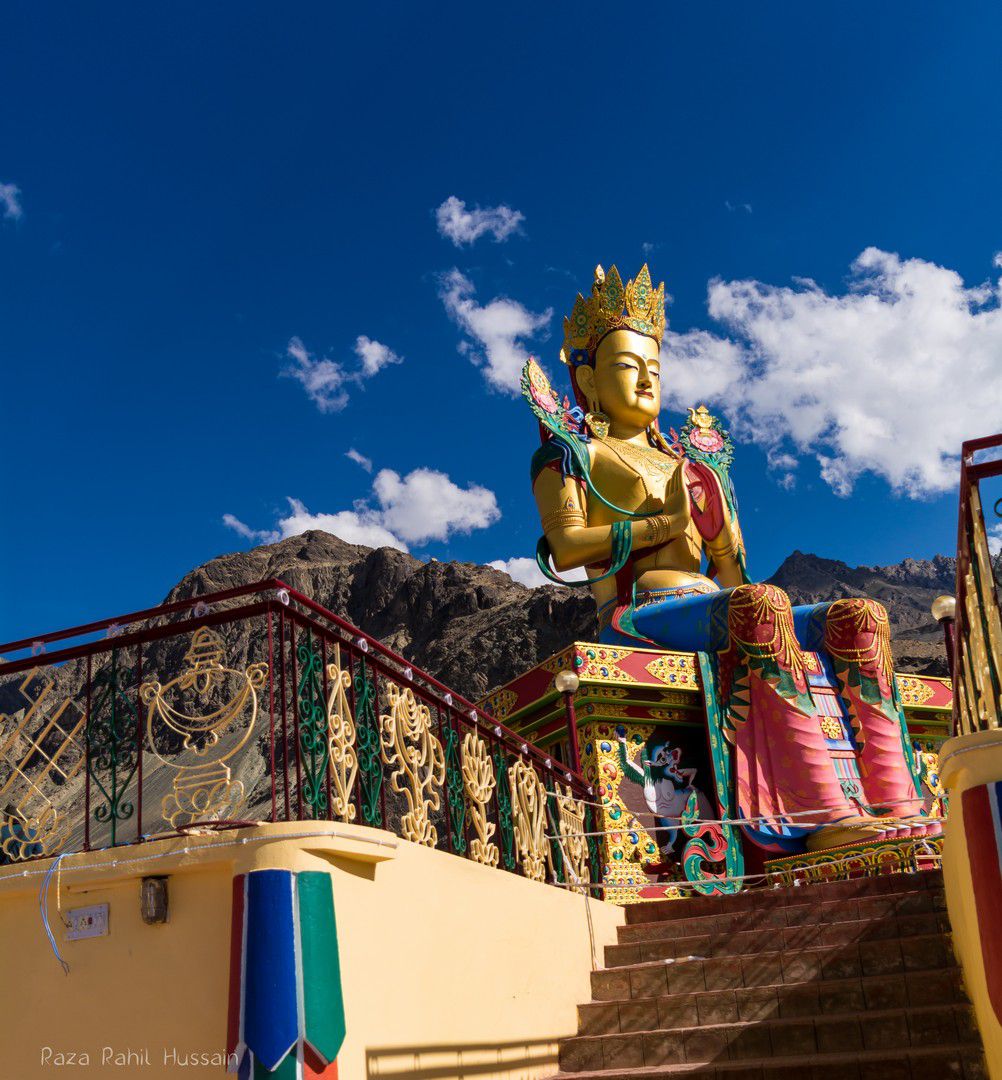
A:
{"x":977,"y":642}
{"x":258,"y":704}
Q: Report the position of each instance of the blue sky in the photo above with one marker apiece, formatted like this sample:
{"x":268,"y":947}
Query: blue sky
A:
{"x":193,"y":196}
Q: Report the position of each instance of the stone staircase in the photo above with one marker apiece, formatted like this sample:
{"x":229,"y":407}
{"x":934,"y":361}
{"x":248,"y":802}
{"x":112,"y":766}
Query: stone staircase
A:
{"x":850,"y":980}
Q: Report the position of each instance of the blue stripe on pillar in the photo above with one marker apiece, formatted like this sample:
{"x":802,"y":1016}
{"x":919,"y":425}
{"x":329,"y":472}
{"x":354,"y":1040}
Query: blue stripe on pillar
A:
{"x":271,"y":1025}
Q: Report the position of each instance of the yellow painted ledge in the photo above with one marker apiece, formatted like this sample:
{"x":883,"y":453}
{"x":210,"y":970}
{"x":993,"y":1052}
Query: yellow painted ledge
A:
{"x":291,"y":845}
{"x":450,"y":969}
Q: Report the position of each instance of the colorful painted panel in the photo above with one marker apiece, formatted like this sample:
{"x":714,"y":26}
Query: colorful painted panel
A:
{"x":286,"y":1012}
{"x":925,"y":692}
{"x":652,"y":780}
{"x":595,"y":664}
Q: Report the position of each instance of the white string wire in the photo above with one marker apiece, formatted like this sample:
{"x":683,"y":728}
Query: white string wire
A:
{"x":267,"y":838}
{"x":766,"y":819}
{"x":43,"y":906}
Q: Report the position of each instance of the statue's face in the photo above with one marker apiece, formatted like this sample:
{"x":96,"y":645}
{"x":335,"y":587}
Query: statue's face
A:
{"x":626,"y":378}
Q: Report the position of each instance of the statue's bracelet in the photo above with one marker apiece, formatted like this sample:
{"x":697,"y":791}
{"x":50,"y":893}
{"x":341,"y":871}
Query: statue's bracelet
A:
{"x":657,"y":530}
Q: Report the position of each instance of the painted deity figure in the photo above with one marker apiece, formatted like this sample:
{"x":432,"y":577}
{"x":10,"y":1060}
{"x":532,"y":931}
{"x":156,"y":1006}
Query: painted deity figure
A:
{"x":667,"y":788}
{"x":817,"y":747}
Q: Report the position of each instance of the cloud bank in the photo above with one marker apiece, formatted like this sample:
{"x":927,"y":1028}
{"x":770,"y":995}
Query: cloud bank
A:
{"x":888,"y":377}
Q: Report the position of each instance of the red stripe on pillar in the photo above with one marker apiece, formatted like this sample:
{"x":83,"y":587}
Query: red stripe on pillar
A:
{"x":236,"y":965}
{"x":986,"y":879}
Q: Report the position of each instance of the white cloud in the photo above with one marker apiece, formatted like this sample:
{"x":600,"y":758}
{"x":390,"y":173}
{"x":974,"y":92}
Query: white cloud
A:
{"x":427,"y":505}
{"x":353,"y":526}
{"x":995,"y":540}
{"x":263,"y":536}
{"x":10,"y":202}
{"x":326,"y":381}
{"x":374,"y":355}
{"x":359,"y":459}
{"x":323,"y":379}
{"x":526,"y":572}
{"x":497,"y":330}
{"x":424,"y":505}
{"x":463,"y":226}
{"x":888,"y":377}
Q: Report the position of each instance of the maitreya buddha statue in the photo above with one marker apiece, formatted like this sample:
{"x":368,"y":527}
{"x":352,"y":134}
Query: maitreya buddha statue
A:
{"x":639,"y":513}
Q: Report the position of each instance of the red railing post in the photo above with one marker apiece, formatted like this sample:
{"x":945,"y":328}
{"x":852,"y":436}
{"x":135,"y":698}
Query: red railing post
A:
{"x":271,"y":714}
{"x":139,"y":742}
{"x":87,"y":763}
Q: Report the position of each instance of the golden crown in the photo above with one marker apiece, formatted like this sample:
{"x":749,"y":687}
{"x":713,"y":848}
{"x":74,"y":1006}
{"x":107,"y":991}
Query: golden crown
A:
{"x":612,"y":306}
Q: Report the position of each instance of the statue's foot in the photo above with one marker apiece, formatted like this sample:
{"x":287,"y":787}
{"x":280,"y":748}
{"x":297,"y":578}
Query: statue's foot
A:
{"x":853,"y":830}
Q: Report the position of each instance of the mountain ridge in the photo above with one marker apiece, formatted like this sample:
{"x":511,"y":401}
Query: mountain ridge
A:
{"x":474,"y":628}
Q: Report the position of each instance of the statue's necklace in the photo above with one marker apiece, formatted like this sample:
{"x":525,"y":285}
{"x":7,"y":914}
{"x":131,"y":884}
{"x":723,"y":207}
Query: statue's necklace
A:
{"x":641,"y":460}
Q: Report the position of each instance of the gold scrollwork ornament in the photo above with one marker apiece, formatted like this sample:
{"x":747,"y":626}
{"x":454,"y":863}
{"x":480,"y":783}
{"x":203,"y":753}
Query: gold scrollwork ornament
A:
{"x":573,"y":842}
{"x":341,"y":733}
{"x":479,"y":783}
{"x":529,"y":810}
{"x":204,"y":790}
{"x":417,"y":757}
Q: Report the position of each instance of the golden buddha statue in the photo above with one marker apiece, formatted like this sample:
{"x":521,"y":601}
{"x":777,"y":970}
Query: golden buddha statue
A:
{"x":807,"y":697}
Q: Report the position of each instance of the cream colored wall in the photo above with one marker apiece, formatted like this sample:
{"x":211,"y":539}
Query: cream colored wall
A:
{"x":966,"y":762}
{"x":449,"y":968}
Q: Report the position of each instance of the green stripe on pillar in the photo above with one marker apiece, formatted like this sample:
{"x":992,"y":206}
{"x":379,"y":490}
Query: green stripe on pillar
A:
{"x":285,"y":1071}
{"x":322,"y":997}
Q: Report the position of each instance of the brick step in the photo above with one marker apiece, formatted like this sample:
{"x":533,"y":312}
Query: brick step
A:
{"x":804,"y":936}
{"x":912,"y":902}
{"x":958,"y":1062}
{"x":852,"y":889}
{"x":814,"y":1037}
{"x":922,"y":952}
{"x":745,"y":1004}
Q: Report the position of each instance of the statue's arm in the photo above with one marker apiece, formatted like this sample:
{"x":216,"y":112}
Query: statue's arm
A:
{"x":563,"y":510}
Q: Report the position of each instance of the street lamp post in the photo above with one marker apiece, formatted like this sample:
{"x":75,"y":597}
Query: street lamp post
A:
{"x":944,"y":611}
{"x":567,"y":684}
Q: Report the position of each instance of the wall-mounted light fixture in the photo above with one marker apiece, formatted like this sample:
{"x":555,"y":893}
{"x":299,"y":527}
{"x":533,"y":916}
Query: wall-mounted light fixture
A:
{"x":153,"y":900}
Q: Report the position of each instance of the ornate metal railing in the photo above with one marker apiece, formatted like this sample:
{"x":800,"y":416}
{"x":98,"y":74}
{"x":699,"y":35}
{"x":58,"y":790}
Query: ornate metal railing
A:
{"x":977,"y":640}
{"x":258,"y":704}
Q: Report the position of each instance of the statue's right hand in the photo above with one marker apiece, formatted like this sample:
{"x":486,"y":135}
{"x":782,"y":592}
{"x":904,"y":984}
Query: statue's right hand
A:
{"x":678,"y":505}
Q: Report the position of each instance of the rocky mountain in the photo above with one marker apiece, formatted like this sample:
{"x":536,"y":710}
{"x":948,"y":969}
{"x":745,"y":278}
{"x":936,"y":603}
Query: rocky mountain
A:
{"x":474,"y":628}
{"x":906,"y":589}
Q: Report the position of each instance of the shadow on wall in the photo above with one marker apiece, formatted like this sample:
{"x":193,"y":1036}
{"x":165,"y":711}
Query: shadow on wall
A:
{"x":504,"y":1060}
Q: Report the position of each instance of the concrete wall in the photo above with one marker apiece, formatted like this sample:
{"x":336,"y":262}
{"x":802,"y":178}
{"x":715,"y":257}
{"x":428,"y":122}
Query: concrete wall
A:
{"x":449,"y":968}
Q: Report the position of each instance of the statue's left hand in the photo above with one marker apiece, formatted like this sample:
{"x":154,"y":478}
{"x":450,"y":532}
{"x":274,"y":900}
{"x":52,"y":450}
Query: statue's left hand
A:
{"x":709,"y":508}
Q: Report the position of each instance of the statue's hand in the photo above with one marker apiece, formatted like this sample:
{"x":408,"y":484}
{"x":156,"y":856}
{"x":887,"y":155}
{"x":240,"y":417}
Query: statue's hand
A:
{"x":678,"y":504}
{"x":708,"y":506}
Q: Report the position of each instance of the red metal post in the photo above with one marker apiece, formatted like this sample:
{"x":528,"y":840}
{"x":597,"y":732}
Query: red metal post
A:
{"x":87,"y":764}
{"x":285,"y":723}
{"x":295,"y":719}
{"x":139,"y":742}
{"x":271,"y":716}
{"x":327,"y":735}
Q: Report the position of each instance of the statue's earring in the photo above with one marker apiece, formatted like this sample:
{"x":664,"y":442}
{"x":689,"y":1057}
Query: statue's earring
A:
{"x":598,"y":424}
